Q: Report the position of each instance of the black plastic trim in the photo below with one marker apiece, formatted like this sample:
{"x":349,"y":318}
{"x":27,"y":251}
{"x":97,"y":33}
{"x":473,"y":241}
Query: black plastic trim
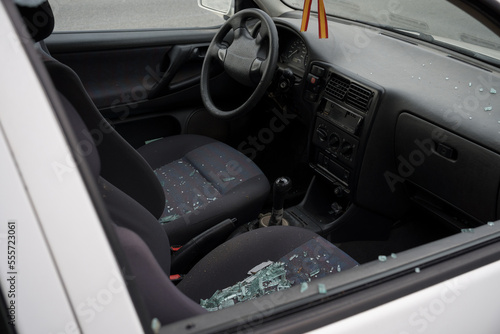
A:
{"x":64,"y":42}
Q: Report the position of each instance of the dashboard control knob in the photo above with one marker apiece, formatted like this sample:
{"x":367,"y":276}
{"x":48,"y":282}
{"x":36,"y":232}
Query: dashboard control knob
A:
{"x":347,"y":150}
{"x":322,"y":133}
{"x":334,"y":141}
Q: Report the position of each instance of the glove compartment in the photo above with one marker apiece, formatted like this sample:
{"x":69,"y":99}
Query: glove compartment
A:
{"x":451,"y":168}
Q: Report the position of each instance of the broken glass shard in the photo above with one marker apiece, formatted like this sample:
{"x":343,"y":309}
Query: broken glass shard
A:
{"x":259,"y":267}
{"x":167,"y":219}
{"x":155,"y":325}
{"x":270,"y":278}
{"x":321,"y":288}
{"x":315,"y":272}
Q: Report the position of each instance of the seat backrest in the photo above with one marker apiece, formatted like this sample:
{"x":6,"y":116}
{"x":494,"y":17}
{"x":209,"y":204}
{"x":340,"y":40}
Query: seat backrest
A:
{"x":121,"y":164}
{"x":137,"y":179}
{"x":144,"y":242}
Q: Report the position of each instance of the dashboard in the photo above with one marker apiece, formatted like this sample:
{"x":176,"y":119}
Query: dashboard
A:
{"x":391,"y":120}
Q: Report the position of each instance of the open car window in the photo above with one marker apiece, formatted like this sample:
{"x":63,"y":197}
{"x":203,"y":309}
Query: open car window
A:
{"x":87,"y":15}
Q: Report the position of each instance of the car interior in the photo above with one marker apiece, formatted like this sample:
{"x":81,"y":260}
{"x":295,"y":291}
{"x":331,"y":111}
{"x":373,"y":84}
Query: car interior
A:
{"x":216,"y":150}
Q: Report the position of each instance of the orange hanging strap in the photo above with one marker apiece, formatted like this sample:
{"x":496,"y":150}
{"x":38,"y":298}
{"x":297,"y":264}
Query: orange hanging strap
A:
{"x":322,"y":22}
{"x":305,"y":15}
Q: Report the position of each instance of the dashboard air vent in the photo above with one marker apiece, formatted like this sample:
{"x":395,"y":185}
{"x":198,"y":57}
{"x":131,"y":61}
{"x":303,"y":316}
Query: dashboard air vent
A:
{"x":349,"y":92}
{"x":337,"y":87}
{"x":359,"y":97}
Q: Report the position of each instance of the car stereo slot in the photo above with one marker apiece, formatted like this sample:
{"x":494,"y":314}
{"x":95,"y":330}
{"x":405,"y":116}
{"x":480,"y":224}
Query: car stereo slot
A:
{"x":343,"y":118}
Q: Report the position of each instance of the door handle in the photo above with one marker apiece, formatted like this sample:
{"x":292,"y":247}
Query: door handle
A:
{"x":173,"y":62}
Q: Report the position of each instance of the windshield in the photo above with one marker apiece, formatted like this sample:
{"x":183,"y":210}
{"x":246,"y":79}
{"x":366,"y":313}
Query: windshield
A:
{"x":438,"y":21}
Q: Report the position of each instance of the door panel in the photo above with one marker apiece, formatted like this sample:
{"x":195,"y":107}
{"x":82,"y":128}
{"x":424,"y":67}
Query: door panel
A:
{"x":123,"y":66}
{"x":115,"y":77}
{"x":145,"y":82}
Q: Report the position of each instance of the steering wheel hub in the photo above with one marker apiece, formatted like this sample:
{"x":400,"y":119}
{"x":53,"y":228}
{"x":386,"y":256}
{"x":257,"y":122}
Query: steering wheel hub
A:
{"x":250,"y":59}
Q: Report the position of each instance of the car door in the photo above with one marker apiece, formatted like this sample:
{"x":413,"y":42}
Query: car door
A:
{"x":140,"y":63}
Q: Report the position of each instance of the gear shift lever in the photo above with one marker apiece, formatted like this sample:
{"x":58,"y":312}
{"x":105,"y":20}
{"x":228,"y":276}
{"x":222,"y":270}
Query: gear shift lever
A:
{"x":280,"y":187}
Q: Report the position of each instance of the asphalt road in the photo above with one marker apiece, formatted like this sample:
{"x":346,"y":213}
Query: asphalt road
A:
{"x":74,"y":15}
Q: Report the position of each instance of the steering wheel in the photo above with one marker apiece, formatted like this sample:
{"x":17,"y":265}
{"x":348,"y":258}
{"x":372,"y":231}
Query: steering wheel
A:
{"x":251,"y":59}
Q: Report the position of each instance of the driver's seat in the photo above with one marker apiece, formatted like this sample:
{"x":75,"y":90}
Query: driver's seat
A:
{"x":189,"y":182}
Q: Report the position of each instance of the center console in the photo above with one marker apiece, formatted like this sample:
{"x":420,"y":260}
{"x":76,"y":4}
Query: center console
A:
{"x":345,"y":109}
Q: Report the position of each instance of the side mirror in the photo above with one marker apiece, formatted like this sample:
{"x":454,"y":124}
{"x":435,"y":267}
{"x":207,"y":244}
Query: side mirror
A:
{"x":224,"y":8}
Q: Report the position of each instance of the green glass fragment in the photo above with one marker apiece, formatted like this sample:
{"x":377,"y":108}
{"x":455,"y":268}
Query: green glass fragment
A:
{"x":382,"y":258}
{"x":167,"y":219}
{"x":265,"y":281}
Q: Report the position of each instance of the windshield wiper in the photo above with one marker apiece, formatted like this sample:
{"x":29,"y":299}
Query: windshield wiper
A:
{"x":410,"y":33}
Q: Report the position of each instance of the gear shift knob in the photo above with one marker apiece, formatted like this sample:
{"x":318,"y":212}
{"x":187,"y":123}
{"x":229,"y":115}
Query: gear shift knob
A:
{"x":280,"y":187}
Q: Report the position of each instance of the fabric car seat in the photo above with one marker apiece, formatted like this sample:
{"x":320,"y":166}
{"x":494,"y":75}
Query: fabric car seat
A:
{"x":303,"y":254}
{"x":189,"y":182}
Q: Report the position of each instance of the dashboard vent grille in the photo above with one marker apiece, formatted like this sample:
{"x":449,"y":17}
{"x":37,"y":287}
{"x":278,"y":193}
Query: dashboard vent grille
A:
{"x":349,"y":92}
{"x":338,"y":87}
{"x":359,"y":97}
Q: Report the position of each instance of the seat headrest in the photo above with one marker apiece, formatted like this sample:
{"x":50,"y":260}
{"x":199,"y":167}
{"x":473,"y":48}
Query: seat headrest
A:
{"x":38,"y":17}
